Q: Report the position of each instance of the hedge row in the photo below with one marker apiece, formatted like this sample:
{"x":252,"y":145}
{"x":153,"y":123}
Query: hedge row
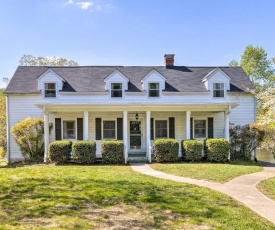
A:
{"x":59,"y":151}
{"x":84,"y":152}
{"x":192,"y":150}
{"x":112,"y":152}
{"x":166,"y":150}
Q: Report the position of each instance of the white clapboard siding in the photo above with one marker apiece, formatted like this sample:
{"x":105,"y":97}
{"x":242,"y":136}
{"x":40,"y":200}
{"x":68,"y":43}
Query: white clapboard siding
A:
{"x":245,"y":113}
{"x":21,"y":107}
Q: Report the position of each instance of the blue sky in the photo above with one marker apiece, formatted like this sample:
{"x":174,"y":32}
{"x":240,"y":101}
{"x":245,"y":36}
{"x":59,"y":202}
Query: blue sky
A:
{"x":134,"y":32}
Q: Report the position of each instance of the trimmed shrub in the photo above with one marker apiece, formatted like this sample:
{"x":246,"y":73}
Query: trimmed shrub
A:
{"x":29,"y":135}
{"x":217,"y":149}
{"x":84,"y":151}
{"x":192,"y":150}
{"x":60,"y":151}
{"x":2,"y":152}
{"x":166,"y":150}
{"x":112,"y":152}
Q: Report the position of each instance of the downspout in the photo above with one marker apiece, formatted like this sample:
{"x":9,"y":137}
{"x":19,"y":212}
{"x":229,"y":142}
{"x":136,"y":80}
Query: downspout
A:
{"x":8,"y":128}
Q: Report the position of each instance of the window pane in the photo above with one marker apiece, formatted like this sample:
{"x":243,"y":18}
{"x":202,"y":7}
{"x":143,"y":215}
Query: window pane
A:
{"x":50,"y":90}
{"x":68,"y":130}
{"x":116,"y":86}
{"x":200,"y":128}
{"x":116,"y":93}
{"x":161,"y":129}
{"x":153,"y":85}
{"x":153,"y":93}
{"x":109,"y":131}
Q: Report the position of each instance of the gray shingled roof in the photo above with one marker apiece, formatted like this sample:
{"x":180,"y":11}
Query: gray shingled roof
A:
{"x":91,"y":78}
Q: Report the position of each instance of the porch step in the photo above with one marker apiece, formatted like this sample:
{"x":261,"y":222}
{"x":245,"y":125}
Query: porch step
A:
{"x":137,"y":159}
{"x":133,"y":155}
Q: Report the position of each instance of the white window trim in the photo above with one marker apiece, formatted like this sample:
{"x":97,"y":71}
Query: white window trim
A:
{"x":155,"y":128}
{"x":56,"y":89}
{"x":223,"y":90}
{"x":148,"y":89}
{"x":122,"y":89}
{"x":62,"y":129}
{"x":102,"y":131}
{"x":206,"y":128}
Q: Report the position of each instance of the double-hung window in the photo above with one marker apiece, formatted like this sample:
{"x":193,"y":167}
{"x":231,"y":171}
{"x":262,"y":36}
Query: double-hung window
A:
{"x":200,"y":128}
{"x":50,"y":90}
{"x":69,"y":130}
{"x":161,"y":129}
{"x":218,"y":90}
{"x":109,"y":130}
{"x":153,"y":90}
{"x":116,"y":89}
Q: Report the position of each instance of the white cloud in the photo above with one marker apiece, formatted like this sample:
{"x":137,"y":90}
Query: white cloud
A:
{"x":84,"y":5}
{"x":69,"y":2}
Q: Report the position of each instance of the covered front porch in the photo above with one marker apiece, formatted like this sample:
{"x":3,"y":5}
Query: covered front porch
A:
{"x":137,"y":125}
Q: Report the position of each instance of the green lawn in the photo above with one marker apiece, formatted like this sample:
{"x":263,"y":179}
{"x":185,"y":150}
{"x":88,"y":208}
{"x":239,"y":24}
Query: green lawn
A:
{"x":105,"y":197}
{"x":267,"y":187}
{"x":209,"y":171}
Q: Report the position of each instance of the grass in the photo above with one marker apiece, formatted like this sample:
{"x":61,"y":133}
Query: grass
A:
{"x":209,"y":171}
{"x":113,"y":197}
{"x":267,"y":187}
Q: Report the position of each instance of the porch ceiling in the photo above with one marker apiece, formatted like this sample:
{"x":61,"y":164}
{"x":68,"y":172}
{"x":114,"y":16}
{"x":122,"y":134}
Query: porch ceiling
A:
{"x":137,"y":107}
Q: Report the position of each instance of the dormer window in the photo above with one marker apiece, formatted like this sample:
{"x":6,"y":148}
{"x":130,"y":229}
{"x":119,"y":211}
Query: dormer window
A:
{"x":50,"y":90}
{"x":218,"y":90}
{"x":153,"y":90}
{"x":116,"y":89}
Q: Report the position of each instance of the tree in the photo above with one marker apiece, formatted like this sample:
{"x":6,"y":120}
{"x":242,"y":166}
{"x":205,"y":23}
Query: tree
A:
{"x":3,"y":131}
{"x":29,"y":135}
{"x":233,"y":63}
{"x":30,"y":60}
{"x":257,"y":66}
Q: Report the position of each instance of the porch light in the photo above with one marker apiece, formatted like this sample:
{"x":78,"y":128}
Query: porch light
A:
{"x":136,"y":116}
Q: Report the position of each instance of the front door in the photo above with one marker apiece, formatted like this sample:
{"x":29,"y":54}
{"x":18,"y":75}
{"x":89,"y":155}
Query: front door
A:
{"x":135,"y":136}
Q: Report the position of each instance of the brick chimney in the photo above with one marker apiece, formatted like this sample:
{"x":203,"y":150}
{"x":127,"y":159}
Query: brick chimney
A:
{"x":169,"y":59}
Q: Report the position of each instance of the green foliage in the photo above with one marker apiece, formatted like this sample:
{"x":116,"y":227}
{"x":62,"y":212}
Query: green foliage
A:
{"x":166,"y":150}
{"x":59,"y":151}
{"x":2,"y":152}
{"x":112,"y":152}
{"x":244,"y":140}
{"x":29,"y":135}
{"x":192,"y":150}
{"x":233,"y":63}
{"x":3,"y":130}
{"x":84,"y":151}
{"x":269,"y":138}
{"x":217,"y":149}
{"x":256,"y":64}
{"x":30,"y":60}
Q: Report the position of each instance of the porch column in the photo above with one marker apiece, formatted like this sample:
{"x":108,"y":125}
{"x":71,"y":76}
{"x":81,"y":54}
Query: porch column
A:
{"x":226,"y":125}
{"x":226,"y":128}
{"x":125,"y":135}
{"x":46,"y":135}
{"x":86,"y":125}
{"x":148,"y":141}
{"x":188,"y":125}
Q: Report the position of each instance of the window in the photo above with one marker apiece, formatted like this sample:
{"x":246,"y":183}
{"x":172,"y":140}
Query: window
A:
{"x":50,"y":90}
{"x":218,"y":90}
{"x":116,"y":90}
{"x":153,"y":89}
{"x":161,"y":129}
{"x":68,"y":129}
{"x":109,"y":130}
{"x":200,"y":128}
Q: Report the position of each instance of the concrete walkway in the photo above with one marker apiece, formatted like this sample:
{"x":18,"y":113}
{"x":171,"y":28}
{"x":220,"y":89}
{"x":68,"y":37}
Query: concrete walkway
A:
{"x":242,"y":189}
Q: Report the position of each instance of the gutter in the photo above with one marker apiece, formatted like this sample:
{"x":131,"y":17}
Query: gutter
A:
{"x":8,"y":128}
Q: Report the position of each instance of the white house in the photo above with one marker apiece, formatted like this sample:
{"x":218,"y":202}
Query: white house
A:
{"x":136,"y":104}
